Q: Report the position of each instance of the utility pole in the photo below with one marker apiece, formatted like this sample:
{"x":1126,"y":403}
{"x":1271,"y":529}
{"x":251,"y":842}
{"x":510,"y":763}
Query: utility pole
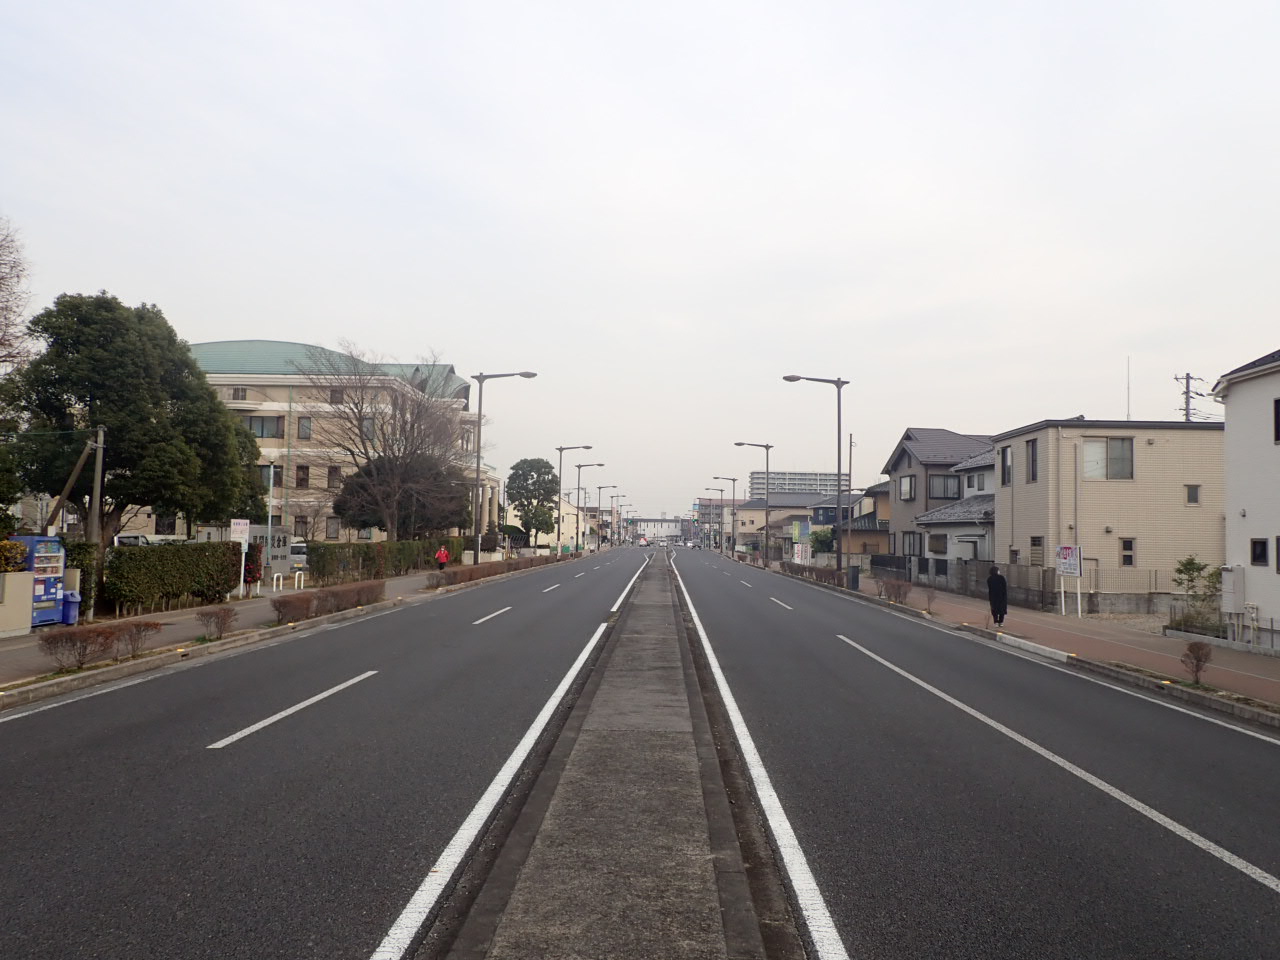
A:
{"x":94,"y":533}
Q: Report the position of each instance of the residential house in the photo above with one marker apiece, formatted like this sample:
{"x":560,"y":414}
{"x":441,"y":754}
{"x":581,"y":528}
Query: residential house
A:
{"x":964,"y":529}
{"x":921,"y":480}
{"x":1136,"y":496}
{"x":1250,"y":395}
{"x":751,"y":514}
{"x":867,"y":531}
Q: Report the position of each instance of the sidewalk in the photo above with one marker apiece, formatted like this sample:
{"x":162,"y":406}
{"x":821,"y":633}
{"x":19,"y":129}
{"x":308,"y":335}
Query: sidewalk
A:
{"x":1249,"y":674}
{"x":22,"y":659}
{"x":623,"y":863}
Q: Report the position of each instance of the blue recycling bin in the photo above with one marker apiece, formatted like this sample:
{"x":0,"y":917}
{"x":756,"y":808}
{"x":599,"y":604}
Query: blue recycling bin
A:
{"x":70,"y":607}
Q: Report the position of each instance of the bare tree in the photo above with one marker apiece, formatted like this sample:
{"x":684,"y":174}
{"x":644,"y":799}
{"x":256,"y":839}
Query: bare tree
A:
{"x":385,"y":421}
{"x":13,"y":298}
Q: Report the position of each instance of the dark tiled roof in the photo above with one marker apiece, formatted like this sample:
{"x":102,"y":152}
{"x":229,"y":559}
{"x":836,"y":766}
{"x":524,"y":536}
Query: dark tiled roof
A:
{"x":867,"y":521}
{"x":780,"y":501}
{"x":846,"y":498}
{"x":980,"y":507}
{"x":987,"y":458}
{"x":933,"y":445}
{"x":881,"y":487}
{"x":1265,"y":361}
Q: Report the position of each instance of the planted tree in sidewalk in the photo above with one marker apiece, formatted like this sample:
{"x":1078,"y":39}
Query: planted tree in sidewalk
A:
{"x":1202,"y":584}
{"x":532,"y":488}
{"x":1195,"y":658}
{"x":822,"y":541}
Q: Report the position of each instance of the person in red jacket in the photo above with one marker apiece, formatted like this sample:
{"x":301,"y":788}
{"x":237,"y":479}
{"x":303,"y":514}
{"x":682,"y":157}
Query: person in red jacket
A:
{"x":442,"y":556}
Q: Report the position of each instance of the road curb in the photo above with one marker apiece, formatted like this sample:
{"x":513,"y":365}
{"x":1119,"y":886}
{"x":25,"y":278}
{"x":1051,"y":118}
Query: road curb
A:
{"x":193,"y":650}
{"x":1129,"y":677}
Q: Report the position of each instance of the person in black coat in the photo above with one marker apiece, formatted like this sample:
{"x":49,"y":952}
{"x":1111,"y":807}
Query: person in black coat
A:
{"x":998,"y":595}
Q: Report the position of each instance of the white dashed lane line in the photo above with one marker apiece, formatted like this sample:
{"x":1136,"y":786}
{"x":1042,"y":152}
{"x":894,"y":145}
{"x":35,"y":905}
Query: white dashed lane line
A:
{"x":582,"y":574}
{"x":550,"y":588}
{"x":780,"y":603}
{"x":744,"y":583}
{"x":496,"y":613}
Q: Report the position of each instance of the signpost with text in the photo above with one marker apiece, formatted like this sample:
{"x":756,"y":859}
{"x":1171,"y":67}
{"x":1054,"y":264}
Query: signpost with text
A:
{"x":1070,"y":564}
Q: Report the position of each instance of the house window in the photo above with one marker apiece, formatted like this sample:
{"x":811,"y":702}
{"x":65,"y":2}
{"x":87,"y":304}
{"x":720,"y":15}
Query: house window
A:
{"x":276,"y":520}
{"x":166,"y":524}
{"x":968,"y":482}
{"x":907,"y":487}
{"x":300,"y":527}
{"x":304,"y":428}
{"x":1006,"y":466}
{"x":265,"y":427}
{"x":1193,"y":494}
{"x":937,"y":543}
{"x":1033,"y":465}
{"x":332,"y":526}
{"x":267,"y":476}
{"x":944,"y":487}
{"x":893,"y":543}
{"x":1275,"y":417}
{"x":239,"y":393}
{"x":982,"y":481}
{"x":1258,"y":553}
{"x":1037,"y":551}
{"x":1128,"y":552}
{"x":335,"y":478}
{"x":366,"y":533}
{"x":366,"y":428}
{"x":1013,"y":557}
{"x":912,"y":544}
{"x":302,"y":477}
{"x":335,"y":395}
{"x":1108,"y":458}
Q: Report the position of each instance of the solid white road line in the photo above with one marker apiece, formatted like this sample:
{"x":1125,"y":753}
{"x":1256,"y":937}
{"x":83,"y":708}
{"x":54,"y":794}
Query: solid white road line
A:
{"x":284,"y":713}
{"x":400,"y":937}
{"x":780,"y":603}
{"x":554,"y":586}
{"x":1226,"y":856}
{"x":622,"y":596}
{"x":496,"y":613}
{"x":813,"y":908}
{"x":744,"y":583}
{"x":84,"y":696}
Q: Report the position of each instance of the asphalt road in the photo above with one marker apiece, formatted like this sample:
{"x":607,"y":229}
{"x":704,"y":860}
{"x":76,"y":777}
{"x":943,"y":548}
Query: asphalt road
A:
{"x":124,"y":835}
{"x":932,"y":832}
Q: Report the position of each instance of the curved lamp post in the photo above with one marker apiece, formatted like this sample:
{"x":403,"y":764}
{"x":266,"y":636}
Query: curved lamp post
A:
{"x":560,"y":480}
{"x":600,"y":488}
{"x":733,"y":533}
{"x":839,"y":537}
{"x":720,"y":490}
{"x":766,"y":447}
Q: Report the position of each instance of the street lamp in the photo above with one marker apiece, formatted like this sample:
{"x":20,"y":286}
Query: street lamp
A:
{"x":480,"y":378}
{"x":577,"y":520}
{"x":271,"y":485}
{"x":839,"y":385}
{"x":559,"y":480}
{"x":766,"y":447}
{"x":720,"y":490}
{"x":600,"y":508}
{"x":733,"y":534}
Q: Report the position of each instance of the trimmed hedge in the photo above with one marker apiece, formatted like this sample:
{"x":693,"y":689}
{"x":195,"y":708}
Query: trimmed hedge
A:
{"x":84,"y":557}
{"x":292,"y":607}
{"x":161,"y":575}
{"x":73,"y":647}
{"x":344,"y":562}
{"x":479,"y":571}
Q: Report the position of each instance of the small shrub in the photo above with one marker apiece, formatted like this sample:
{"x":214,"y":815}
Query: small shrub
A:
{"x":132,"y":636}
{"x":73,"y":647}
{"x":217,"y":622}
{"x":13,"y":556}
{"x":897,"y":591}
{"x":292,"y":607}
{"x":1195,"y":658}
{"x":880,"y":586}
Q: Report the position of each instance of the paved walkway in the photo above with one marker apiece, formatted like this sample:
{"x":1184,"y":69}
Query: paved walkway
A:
{"x":22,"y":659}
{"x":1238,"y":671}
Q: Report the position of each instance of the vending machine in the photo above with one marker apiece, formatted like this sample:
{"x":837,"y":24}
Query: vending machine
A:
{"x":47,"y":560}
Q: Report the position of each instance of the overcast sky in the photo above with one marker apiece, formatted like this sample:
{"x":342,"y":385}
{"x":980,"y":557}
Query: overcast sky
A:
{"x":974,"y":212}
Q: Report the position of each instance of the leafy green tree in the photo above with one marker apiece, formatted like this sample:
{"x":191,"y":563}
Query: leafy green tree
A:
{"x":432,"y":497}
{"x":822,"y":541}
{"x":532,"y":488}
{"x":171,"y":444}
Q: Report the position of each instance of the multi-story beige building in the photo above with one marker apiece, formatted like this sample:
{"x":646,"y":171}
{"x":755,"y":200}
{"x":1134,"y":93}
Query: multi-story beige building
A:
{"x":290,"y":396}
{"x":1136,"y":496}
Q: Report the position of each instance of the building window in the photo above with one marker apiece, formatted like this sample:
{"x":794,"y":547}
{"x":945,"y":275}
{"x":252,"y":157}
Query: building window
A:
{"x":982,"y":481}
{"x":937,"y":543}
{"x":366,"y":533}
{"x":335,"y":395}
{"x":1013,"y":556}
{"x":366,"y":428}
{"x":166,"y":524}
{"x":907,"y":487}
{"x":1108,"y":458}
{"x":944,"y":487}
{"x":302,"y":477}
{"x":893,"y":543}
{"x":239,"y":393}
{"x":334,"y":480}
{"x":1033,"y":464}
{"x":1275,"y":417}
{"x":968,"y":482}
{"x":912,"y":544}
{"x":276,"y":521}
{"x":1193,"y":494}
{"x":268,"y":476}
{"x":1037,"y":551}
{"x":332,"y":527}
{"x":304,"y":428}
{"x":265,"y":428}
{"x":1006,"y":466}
{"x":1128,"y":552}
{"x":300,"y":527}
{"x":1258,"y":553}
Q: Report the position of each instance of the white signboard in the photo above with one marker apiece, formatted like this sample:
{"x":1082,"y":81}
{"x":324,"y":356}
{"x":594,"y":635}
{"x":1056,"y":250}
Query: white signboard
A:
{"x":804,"y":553}
{"x":1069,"y":564}
{"x":240,"y":531}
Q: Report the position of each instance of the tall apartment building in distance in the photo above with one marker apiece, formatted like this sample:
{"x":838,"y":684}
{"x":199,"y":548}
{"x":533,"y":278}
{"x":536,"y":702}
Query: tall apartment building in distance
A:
{"x":786,"y":481}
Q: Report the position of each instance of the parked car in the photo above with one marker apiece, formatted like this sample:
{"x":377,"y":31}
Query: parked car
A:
{"x":298,"y":557}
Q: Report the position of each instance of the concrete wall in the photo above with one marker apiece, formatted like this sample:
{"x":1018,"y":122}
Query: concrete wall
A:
{"x":15,"y":603}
